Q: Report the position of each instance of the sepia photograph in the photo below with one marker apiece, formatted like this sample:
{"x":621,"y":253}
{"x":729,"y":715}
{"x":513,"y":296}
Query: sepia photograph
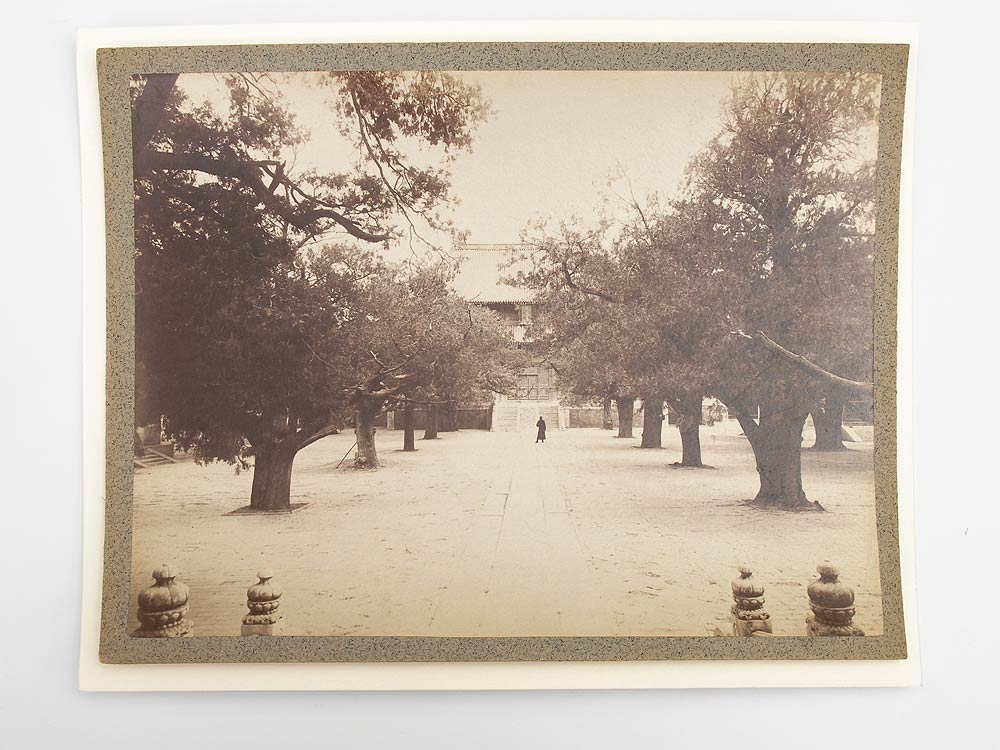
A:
{"x":510,"y":354}
{"x":499,"y":377}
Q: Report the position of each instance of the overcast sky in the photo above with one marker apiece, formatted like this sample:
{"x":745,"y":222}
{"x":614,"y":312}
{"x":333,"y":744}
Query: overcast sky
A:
{"x":552,"y":143}
{"x":556,"y":138}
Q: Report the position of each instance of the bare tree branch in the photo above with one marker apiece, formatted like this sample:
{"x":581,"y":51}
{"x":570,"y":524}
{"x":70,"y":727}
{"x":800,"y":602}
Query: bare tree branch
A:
{"x":835,"y":382}
{"x":568,"y":277}
{"x":308,"y":438}
{"x":302,"y":215}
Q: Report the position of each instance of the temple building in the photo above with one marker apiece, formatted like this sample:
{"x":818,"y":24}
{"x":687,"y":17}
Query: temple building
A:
{"x":484,"y":277}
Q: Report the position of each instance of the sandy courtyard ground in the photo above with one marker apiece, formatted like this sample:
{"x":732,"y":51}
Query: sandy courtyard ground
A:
{"x":488,"y":534}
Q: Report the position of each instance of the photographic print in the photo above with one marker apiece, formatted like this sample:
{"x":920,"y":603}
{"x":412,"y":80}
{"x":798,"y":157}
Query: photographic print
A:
{"x":461,"y":352}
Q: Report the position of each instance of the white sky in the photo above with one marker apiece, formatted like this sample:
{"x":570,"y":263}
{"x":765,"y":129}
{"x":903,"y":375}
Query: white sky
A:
{"x":556,"y":138}
{"x":550,"y":147}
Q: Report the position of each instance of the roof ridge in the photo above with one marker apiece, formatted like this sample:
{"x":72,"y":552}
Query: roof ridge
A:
{"x":485,"y":272}
{"x":492,"y":245}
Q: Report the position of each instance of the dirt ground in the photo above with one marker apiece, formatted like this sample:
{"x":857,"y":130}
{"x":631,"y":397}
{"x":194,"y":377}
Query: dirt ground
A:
{"x":481,"y":534}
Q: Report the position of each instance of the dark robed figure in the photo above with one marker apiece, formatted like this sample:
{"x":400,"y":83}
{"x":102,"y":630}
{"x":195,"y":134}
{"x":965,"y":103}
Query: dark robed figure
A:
{"x":540,"y":424}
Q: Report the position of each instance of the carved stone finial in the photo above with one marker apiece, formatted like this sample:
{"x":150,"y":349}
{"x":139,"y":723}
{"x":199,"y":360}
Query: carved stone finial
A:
{"x":263,"y":601}
{"x":832,"y":605}
{"x":163,"y":606}
{"x":748,"y":613}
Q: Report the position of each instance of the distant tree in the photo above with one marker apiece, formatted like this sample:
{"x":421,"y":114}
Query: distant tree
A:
{"x":481,"y":359}
{"x":588,"y":355}
{"x":828,"y":420}
{"x":632,"y":309}
{"x":421,"y":344}
{"x":607,"y":415}
{"x":589,"y":349}
{"x":477,"y":359}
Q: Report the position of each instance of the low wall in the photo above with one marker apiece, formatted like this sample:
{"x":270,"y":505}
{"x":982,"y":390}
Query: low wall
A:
{"x":588,"y":416}
{"x":468,"y":418}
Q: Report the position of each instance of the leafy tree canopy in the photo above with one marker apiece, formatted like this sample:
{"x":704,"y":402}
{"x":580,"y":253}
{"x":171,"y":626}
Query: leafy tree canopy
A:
{"x":385,"y":115}
{"x":772,"y":233}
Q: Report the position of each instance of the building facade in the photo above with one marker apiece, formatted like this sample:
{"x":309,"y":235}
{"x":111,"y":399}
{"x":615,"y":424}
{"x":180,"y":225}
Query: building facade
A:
{"x":487,"y":276}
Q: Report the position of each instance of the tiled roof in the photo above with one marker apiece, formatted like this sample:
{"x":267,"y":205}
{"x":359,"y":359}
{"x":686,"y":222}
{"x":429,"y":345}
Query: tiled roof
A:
{"x":484,"y":273}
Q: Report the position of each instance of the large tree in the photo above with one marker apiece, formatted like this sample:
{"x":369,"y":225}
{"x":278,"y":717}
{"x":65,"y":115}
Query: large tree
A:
{"x":420,"y":343}
{"x":250,"y":365}
{"x":239,"y":325}
{"x":588,"y":352}
{"x":772,"y":236}
{"x":252,"y":145}
{"x":634,"y":309}
{"x":785,"y":198}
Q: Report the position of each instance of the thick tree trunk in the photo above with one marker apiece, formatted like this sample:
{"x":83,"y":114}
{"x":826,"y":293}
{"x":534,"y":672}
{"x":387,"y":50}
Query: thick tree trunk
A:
{"x":408,"y":444}
{"x":777,"y":444}
{"x":626,"y":406}
{"x":366,"y":457}
{"x":431,"y":431}
{"x":652,"y":423}
{"x":448,"y":417}
{"x":272,"y":478}
{"x":608,"y":420}
{"x":689,"y":426}
{"x":828,"y":419}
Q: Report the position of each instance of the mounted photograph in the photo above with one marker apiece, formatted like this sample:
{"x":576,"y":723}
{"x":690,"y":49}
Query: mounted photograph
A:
{"x":465,"y":359}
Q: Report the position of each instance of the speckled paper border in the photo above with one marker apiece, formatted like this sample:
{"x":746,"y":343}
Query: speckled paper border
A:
{"x":117,"y":65}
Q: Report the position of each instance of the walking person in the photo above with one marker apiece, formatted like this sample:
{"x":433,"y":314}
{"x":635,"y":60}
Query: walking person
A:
{"x":540,"y":424}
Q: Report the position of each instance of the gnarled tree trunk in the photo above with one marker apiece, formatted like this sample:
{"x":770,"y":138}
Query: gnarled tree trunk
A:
{"x":828,"y":418}
{"x":366,"y":458}
{"x":431,"y":430}
{"x":777,"y":444}
{"x":652,"y":423}
{"x":626,"y":406}
{"x":689,"y":425}
{"x":607,"y":420}
{"x":448,"y":417}
{"x":276,"y":442}
{"x":272,"y":476}
{"x":408,"y":443}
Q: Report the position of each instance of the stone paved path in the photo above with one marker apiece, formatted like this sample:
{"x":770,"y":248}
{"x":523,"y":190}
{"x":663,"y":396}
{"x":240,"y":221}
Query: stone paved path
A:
{"x":490,"y":534}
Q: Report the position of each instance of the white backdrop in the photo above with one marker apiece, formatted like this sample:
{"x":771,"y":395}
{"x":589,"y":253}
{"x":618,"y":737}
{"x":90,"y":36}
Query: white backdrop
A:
{"x":955,"y":272}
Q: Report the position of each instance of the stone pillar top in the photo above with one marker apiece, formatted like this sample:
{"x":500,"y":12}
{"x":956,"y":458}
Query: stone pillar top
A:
{"x":264,"y":590}
{"x":828,"y":571}
{"x":165,"y":572}
{"x":745,"y":587}
{"x":832,"y":604}
{"x":163,"y":606}
{"x":829,"y":592}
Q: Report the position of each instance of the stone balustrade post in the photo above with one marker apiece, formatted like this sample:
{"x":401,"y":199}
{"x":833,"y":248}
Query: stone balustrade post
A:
{"x":163,"y":607}
{"x":832,"y":605}
{"x":263,"y":601}
{"x":748,"y":615}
